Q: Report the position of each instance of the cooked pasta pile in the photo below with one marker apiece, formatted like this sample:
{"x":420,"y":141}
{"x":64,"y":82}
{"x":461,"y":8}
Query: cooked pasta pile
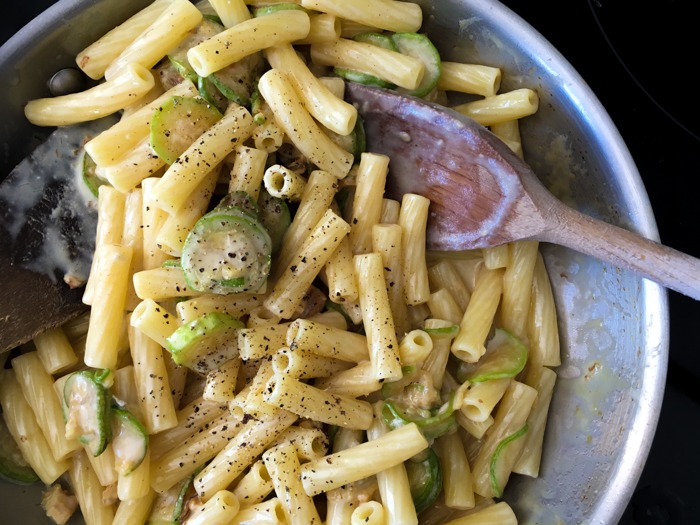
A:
{"x":268,"y":339}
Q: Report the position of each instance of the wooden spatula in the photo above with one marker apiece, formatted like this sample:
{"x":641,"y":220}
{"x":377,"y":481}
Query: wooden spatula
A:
{"x":482,"y":194}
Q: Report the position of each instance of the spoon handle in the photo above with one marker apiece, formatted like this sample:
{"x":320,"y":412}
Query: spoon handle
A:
{"x":669,"y":267}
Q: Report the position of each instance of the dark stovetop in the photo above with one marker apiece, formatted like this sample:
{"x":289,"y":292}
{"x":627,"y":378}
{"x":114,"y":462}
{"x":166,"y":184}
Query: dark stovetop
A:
{"x":636,"y":58}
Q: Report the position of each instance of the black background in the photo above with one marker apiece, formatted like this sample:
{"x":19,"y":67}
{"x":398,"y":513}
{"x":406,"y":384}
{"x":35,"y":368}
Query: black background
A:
{"x":639,"y":58}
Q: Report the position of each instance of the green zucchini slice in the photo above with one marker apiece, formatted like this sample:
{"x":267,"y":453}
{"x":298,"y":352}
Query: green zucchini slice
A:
{"x":177,"y":123}
{"x":129,"y":441}
{"x":419,"y":46}
{"x":206,"y":342}
{"x":86,"y":401}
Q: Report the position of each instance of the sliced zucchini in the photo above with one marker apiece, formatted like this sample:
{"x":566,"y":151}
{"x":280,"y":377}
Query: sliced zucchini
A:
{"x":206,"y":342}
{"x":227,"y":251}
{"x":90,"y":178}
{"x":362,"y":78}
{"x":129,"y":441}
{"x":505,"y":356}
{"x":209,"y":92}
{"x":424,"y":479}
{"x":13,"y":466}
{"x":497,"y":487}
{"x":238,"y":81}
{"x":377,"y":39}
{"x":275,"y":217}
{"x":355,"y":142}
{"x":240,"y":200}
{"x":87,"y":411}
{"x":275,"y":8}
{"x":169,"y":507}
{"x":177,"y":123}
{"x":419,"y":46}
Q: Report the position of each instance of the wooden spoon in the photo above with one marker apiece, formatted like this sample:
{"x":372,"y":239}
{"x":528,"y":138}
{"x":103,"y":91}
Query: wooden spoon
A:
{"x":483,"y":195}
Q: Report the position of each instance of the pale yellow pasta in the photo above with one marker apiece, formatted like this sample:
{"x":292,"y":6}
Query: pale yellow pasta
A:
{"x":231,"y":12}
{"x":444,"y":275}
{"x":284,"y":468}
{"x":241,"y":451}
{"x":184,"y":175}
{"x":261,"y":316}
{"x":303,"y":364}
{"x":509,"y":132}
{"x":189,"y":455}
{"x":355,"y":382}
{"x":390,"y":15}
{"x":152,"y":383}
{"x":189,"y":419}
{"x":496,"y":256}
{"x":268,"y":136}
{"x":248,"y":170}
{"x":301,"y":128}
{"x":350,"y":28}
{"x":54,"y":350}
{"x":476,"y":79}
{"x":542,"y":379}
{"x":368,"y":513}
{"x":23,"y":427}
{"x":443,"y":305}
{"x":310,"y":443}
{"x":172,"y":234}
{"x":323,"y":27}
{"x":391,"y":66}
{"x":108,"y":306}
{"x":511,"y":105}
{"x":117,"y":141}
{"x":255,"y":402}
{"x":219,"y":510}
{"x":390,"y":211}
{"x":134,"y":510}
{"x":153,"y":217}
{"x":480,"y":399}
{"x":316,"y":199}
{"x":415,"y":347}
{"x":517,"y":286}
{"x":456,"y":474}
{"x":335,"y":85}
{"x":326,"y":340}
{"x":110,"y":228}
{"x":377,"y":318}
{"x":246,"y":38}
{"x":160,"y":37}
{"x":37,"y":385}
{"x":99,"y":101}
{"x":510,"y":419}
{"x":330,"y":110}
{"x":132,"y":236}
{"x":436,"y":362}
{"x":387,"y":241}
{"x":500,"y":513}
{"x":269,"y":512}
{"x":542,"y":328}
{"x":254,"y":486}
{"x":306,"y":264}
{"x":235,"y":305}
{"x":469,"y":345}
{"x":340,"y":275}
{"x":136,"y":484}
{"x":221,"y":382}
{"x":310,"y":402}
{"x":165,"y":282}
{"x":474,"y":428}
{"x":103,"y":466}
{"x":88,"y":491}
{"x":392,"y":482}
{"x":367,"y":200}
{"x":94,"y":59}
{"x":361,"y":461}
{"x":413,"y":218}
{"x":261,"y":341}
{"x":283,"y":183}
{"x":154,"y":320}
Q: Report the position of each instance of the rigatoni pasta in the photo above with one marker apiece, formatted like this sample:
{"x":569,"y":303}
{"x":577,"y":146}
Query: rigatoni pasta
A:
{"x":267,"y":330}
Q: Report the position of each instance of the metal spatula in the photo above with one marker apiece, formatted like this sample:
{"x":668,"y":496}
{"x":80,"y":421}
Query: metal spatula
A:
{"x":47,"y":235}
